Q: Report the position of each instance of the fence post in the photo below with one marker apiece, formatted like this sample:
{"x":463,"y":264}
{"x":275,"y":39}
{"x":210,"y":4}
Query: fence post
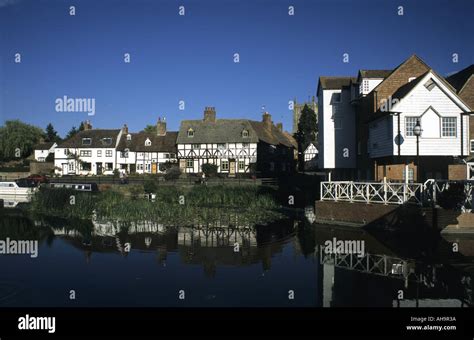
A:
{"x":385,"y":190}
{"x":352,"y":193}
{"x":367,"y":189}
{"x":321,"y":195}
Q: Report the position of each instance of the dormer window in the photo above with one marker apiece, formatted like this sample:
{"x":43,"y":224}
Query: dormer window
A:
{"x":190,"y":133}
{"x":245,"y":133}
{"x":411,"y":78}
{"x":86,"y":141}
{"x":430,"y":84}
{"x":107,"y":141}
{"x":148,"y":142}
{"x":129,"y":137}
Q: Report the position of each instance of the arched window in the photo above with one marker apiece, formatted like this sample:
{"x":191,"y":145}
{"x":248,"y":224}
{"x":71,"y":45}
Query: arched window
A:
{"x":190,"y":132}
{"x":147,"y":142}
{"x":245,"y":133}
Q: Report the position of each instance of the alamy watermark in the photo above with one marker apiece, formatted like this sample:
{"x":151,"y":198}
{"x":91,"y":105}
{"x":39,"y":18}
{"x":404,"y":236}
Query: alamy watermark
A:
{"x":344,"y":247}
{"x":66,"y":104}
{"x":19,"y":247}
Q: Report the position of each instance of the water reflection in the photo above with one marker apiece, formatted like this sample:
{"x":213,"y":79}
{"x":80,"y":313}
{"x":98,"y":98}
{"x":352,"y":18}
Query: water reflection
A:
{"x":146,"y":263}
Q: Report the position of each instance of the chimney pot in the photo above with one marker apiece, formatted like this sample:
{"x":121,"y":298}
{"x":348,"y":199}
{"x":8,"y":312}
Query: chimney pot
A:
{"x":161,"y":127}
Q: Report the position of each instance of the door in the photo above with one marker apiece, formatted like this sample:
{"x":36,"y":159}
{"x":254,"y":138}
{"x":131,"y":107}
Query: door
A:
{"x":153,"y":168}
{"x":232,"y":168}
{"x":64,"y":168}
{"x":98,"y":167}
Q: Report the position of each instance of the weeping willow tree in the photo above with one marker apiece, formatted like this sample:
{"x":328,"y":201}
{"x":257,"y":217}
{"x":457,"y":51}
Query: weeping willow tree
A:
{"x":17,"y":139}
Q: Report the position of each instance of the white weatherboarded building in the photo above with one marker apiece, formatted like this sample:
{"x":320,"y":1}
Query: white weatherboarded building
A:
{"x":43,"y":150}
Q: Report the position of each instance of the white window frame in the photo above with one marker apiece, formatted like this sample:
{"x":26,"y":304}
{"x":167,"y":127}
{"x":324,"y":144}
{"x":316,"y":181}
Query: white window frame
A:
{"x":241,"y":165}
{"x":86,"y":138}
{"x":99,"y":153}
{"x":189,"y":163}
{"x":443,"y":129}
{"x":471,"y":145}
{"x":409,"y":133}
{"x":108,"y":153}
{"x":85,"y":153}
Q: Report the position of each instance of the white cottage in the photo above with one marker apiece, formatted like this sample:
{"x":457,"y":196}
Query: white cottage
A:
{"x":43,"y":150}
{"x":89,"y":152}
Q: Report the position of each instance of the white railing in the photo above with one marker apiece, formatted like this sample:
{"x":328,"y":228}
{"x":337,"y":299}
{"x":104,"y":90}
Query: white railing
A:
{"x":372,"y":192}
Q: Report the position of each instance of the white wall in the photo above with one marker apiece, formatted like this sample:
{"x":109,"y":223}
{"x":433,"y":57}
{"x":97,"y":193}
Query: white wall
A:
{"x":337,"y":131}
{"x":429,"y":107}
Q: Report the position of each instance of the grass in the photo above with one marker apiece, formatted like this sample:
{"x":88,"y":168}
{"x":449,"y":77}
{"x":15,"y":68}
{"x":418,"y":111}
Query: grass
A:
{"x":199,"y":205}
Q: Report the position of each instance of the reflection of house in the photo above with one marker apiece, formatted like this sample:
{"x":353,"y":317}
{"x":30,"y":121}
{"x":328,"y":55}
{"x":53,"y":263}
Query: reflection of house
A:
{"x":91,"y":151}
{"x":146,"y":152}
{"x":366,"y":125}
{"x":43,"y":150}
{"x":236,"y":146}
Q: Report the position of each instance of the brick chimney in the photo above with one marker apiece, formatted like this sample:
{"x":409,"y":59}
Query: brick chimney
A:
{"x":161,"y":127}
{"x":280,"y":126}
{"x":267,"y":120}
{"x":210,"y":114}
{"x":87,"y":125}
{"x":125,"y":129}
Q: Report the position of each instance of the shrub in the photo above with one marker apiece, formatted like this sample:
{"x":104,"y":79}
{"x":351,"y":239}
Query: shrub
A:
{"x":209,"y":169}
{"x":172,"y":173}
{"x":150,"y":185}
{"x":452,"y":198}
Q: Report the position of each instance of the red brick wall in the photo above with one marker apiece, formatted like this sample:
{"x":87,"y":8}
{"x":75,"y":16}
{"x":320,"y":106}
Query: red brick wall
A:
{"x":457,"y":171}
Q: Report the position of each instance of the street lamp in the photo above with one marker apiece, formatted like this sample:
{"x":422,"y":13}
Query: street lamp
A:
{"x":417,"y":132}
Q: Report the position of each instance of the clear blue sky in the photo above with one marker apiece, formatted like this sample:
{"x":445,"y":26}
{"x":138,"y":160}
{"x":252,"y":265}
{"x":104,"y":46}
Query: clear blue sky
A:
{"x":190,"y":57}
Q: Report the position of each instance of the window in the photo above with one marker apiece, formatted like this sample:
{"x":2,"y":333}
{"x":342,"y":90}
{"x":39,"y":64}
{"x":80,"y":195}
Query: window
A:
{"x":86,"y":141}
{"x":410,"y":123}
{"x":148,"y":142}
{"x":448,"y":126}
{"x":148,"y":167}
{"x":225,"y":165}
{"x":472,"y":145}
{"x":166,"y":155}
{"x":241,"y":165}
{"x":129,"y":137}
{"x":245,"y":145}
{"x":245,"y":133}
{"x":66,"y":151}
{"x":172,"y":155}
{"x":430,"y":84}
{"x":195,"y":146}
{"x":71,"y":166}
{"x":107,"y":141}
{"x":109,"y":166}
{"x":365,"y":86}
{"x":99,"y":153}
{"x":108,"y":153}
{"x":86,"y":166}
{"x":221,"y":146}
{"x":189,"y":163}
{"x":85,"y":153}
{"x":139,"y":166}
{"x":190,"y":133}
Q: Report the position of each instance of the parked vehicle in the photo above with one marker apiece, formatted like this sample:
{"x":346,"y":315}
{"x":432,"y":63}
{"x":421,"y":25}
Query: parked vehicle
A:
{"x":38,"y":178}
{"x":11,"y":193}
{"x":26,"y":183}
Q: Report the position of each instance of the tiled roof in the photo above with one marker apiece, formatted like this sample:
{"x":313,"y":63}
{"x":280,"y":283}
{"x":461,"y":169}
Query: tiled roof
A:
{"x":333,"y":83}
{"x":375,"y":73}
{"x":97,"y":137}
{"x":230,"y":131}
{"x":460,"y":78}
{"x":43,"y":146}
{"x":166,"y":143}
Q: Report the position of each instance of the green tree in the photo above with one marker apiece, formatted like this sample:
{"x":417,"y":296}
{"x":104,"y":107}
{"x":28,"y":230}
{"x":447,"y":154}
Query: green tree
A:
{"x":51,"y":134}
{"x":307,"y":126}
{"x":306,"y":133}
{"x":74,"y":131}
{"x":150,"y":128}
{"x":17,"y":139}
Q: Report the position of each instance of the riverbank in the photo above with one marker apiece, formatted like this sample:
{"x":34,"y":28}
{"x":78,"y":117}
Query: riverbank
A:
{"x":170,"y":205}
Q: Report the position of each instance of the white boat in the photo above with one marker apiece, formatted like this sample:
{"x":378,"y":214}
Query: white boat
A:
{"x":12,"y":194}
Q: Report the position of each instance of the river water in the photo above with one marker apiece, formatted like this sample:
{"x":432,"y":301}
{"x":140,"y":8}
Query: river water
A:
{"x":283,"y":264}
